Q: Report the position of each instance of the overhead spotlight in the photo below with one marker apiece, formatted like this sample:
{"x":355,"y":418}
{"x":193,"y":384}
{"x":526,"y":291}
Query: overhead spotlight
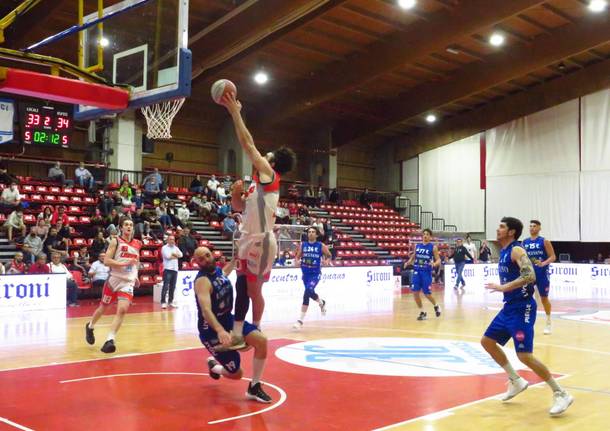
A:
{"x":104,"y":42}
{"x":407,"y":4}
{"x":261,"y":78}
{"x":496,"y":39}
{"x":598,"y":6}
{"x":431,"y":118}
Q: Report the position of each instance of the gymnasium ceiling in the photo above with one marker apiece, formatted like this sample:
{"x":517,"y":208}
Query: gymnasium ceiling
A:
{"x":367,"y":69}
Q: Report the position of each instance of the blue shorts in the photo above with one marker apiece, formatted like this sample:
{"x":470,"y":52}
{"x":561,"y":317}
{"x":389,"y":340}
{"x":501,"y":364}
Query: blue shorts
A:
{"x":515,"y":321}
{"x":543,"y":283}
{"x":311,"y":280}
{"x":422,"y":281}
{"x":230,"y":360}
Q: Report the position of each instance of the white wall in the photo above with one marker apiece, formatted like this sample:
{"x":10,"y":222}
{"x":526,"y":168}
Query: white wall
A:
{"x":532,"y":172}
{"x":449,"y":184}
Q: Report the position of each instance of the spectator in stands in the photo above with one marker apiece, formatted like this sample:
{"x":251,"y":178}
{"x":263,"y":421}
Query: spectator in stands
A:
{"x":212,"y":187}
{"x":55,"y":244}
{"x":293,"y":211}
{"x":99,"y":272}
{"x":59,"y":268}
{"x":112,"y":220}
{"x":41,"y":229}
{"x":10,"y":197}
{"x":17,"y":265}
{"x":57,"y":174}
{"x":196,"y":185}
{"x":40,"y":266}
{"x":459,"y":256}
{"x":138,"y":199}
{"x":127,"y":205}
{"x":46,"y":215}
{"x":221,"y":193}
{"x":229,"y":226}
{"x":112,"y":234}
{"x":172,"y":212}
{"x":225,"y":209}
{"x":328,"y":231}
{"x":126,"y":188}
{"x":321,"y":196}
{"x":484,"y":252}
{"x":83,"y":177}
{"x":334,"y":197}
{"x":316,"y":223}
{"x":293,"y":193}
{"x":82,"y":261}
{"x":171,"y":253}
{"x":472,"y":249}
{"x":152,"y":190}
{"x":221,"y":262}
{"x":303,"y":212}
{"x":187,"y":245}
{"x":153,"y":222}
{"x":98,"y":246}
{"x":5,"y":177}
{"x":163,"y":216}
{"x":32,"y":246}
{"x":157,"y":177}
{"x":97,"y":223}
{"x":310,"y":197}
{"x":227,"y":183}
{"x":15,"y":222}
{"x":183,"y":214}
{"x":209,"y":209}
{"x":140,"y":224}
{"x":64,"y":231}
{"x":196,"y":203}
{"x":365,"y":198}
{"x":59,"y":215}
{"x":106,"y":203}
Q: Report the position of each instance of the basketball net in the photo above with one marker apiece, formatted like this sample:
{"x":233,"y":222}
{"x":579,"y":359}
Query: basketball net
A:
{"x":159,"y":118}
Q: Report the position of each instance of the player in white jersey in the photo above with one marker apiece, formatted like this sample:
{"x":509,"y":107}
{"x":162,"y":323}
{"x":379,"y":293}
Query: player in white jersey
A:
{"x":257,"y":244}
{"x":123,"y":258}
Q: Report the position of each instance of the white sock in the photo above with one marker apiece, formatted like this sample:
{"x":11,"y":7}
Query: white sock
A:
{"x":238,"y":328}
{"x":217,"y":369}
{"x":258,"y":365}
{"x":512,"y":374}
{"x":303,"y":315}
{"x":554,"y":385}
{"x":90,"y":325}
{"x":110,"y":336}
{"x":257,"y":324}
{"x":548,"y":319}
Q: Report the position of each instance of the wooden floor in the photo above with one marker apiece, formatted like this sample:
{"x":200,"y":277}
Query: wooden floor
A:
{"x":578,"y":351}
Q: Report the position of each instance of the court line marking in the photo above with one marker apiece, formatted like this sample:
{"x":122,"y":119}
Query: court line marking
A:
{"x":450,"y":411}
{"x":283,"y":395}
{"x":14,"y":424}
{"x":450,"y":334}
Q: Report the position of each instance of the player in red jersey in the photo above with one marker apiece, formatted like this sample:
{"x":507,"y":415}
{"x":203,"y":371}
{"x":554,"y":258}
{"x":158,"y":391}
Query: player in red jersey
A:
{"x":123,"y":258}
{"x":257,"y":244}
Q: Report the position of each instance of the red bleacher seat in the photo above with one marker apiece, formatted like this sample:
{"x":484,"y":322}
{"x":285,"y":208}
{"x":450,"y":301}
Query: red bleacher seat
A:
{"x":85,"y":220}
{"x":76,"y":199}
{"x":217,"y":254}
{"x":42,"y":189}
{"x":29,"y":219}
{"x":55,"y":189}
{"x":78,"y":279}
{"x":63,"y":199}
{"x":146,"y":280}
{"x":74,"y":209}
{"x":147,"y":267}
{"x":79,"y":242}
{"x":27,"y":188}
{"x":148,"y":254}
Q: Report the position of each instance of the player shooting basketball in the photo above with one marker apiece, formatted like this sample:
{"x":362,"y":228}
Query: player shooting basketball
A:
{"x":257,"y":244}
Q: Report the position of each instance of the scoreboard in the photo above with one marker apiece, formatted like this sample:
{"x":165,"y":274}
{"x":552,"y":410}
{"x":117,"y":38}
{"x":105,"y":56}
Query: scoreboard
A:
{"x":43,"y":124}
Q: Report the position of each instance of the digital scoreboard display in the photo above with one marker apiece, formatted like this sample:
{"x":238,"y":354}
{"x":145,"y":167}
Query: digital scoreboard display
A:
{"x":42,"y":124}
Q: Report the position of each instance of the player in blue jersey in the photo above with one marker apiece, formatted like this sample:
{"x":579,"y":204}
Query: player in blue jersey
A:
{"x":423,"y":260}
{"x":214,"y":293}
{"x":542,"y":254}
{"x":517,"y":317}
{"x":309,"y":256}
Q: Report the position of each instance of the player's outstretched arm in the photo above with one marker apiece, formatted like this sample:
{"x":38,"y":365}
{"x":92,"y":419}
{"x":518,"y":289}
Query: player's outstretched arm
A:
{"x":245,"y":137}
{"x":203,"y":291}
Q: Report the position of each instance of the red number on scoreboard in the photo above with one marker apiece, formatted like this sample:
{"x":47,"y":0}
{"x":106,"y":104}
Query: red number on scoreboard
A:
{"x":63,"y":123}
{"x":28,"y":135}
{"x":47,"y":121}
{"x":33,"y":120}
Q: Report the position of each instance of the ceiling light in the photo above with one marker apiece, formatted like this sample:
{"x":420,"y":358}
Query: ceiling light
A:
{"x":598,"y":5}
{"x":431,"y":118}
{"x":496,"y":39}
{"x":104,"y":42}
{"x":261,"y":78}
{"x":407,"y":4}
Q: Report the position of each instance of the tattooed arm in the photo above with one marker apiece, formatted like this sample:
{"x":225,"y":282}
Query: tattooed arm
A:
{"x":526,"y":272}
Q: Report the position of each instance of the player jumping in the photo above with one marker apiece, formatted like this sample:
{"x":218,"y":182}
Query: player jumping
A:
{"x":423,"y":260}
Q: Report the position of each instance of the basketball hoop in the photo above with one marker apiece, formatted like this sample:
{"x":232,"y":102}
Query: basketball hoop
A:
{"x":159,"y":118}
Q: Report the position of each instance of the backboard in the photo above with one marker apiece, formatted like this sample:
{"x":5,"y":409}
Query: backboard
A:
{"x":144,"y":47}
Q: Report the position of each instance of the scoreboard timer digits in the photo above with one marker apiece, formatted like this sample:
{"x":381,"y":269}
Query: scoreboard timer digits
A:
{"x":45,"y":125}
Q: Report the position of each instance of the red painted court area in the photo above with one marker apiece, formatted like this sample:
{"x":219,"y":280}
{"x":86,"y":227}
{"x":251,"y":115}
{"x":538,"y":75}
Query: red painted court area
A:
{"x":142,"y":393}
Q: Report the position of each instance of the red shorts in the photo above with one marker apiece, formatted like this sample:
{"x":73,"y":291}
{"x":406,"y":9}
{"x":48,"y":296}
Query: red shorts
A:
{"x":115,"y":289}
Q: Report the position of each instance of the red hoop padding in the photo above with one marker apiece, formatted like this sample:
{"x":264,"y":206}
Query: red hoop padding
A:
{"x":59,"y":89}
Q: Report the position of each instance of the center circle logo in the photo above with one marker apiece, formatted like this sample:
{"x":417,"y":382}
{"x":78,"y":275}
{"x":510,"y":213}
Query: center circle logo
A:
{"x":417,"y":357}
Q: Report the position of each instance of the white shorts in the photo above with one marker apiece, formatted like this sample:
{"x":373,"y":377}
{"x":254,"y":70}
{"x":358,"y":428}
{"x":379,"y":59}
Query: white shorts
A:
{"x":116,"y":288}
{"x":256,"y":254}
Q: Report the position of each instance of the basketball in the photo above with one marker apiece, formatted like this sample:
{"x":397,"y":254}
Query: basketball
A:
{"x":220,"y":87}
